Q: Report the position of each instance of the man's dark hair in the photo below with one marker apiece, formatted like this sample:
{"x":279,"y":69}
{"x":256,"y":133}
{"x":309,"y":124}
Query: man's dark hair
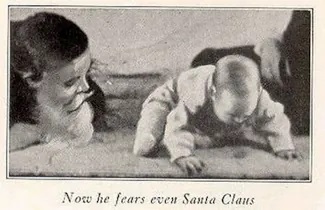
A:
{"x":42,"y":39}
{"x":36,"y":45}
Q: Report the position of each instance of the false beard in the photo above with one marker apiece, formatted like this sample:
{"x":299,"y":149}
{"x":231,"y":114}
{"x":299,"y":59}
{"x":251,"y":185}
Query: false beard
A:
{"x":65,"y":126}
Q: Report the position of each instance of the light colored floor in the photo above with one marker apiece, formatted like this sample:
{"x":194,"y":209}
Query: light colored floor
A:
{"x":113,"y":158}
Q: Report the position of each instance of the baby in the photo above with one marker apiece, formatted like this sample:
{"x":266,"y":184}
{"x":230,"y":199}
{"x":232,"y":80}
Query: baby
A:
{"x":221,"y":101}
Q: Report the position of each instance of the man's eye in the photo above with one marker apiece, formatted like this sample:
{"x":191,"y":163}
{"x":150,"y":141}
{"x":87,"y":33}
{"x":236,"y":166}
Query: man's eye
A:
{"x":70,"y":82}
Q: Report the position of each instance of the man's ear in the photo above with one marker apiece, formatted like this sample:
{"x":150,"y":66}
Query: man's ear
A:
{"x":33,"y":84}
{"x":28,"y":77}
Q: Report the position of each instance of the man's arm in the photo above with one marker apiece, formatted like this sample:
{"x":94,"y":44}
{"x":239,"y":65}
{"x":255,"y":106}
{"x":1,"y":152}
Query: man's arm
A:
{"x":23,"y":135}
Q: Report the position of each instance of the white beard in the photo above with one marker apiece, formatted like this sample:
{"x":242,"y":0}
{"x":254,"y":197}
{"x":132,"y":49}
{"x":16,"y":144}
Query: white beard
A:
{"x":74,"y":129}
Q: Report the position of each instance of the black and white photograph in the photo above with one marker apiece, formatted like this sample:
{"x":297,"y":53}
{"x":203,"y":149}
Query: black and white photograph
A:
{"x":160,"y":93}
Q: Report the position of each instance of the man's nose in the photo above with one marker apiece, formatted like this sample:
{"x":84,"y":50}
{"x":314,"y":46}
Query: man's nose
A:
{"x":83,"y":86}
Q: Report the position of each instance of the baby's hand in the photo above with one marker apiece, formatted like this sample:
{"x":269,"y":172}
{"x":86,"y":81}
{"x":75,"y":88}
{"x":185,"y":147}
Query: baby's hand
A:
{"x":190,"y":165}
{"x":289,"y":155}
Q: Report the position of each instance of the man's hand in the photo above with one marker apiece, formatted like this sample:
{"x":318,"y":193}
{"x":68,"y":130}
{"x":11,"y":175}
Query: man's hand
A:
{"x":190,"y":165}
{"x":289,"y":155}
{"x":270,"y":52}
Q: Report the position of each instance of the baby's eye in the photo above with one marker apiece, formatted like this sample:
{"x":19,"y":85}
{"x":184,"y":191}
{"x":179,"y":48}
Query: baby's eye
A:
{"x":246,"y":117}
{"x":70,"y":82}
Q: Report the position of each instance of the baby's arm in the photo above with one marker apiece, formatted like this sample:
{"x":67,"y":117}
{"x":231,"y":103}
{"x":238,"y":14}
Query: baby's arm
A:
{"x":275,"y":126}
{"x":180,"y":141}
{"x":151,"y":126}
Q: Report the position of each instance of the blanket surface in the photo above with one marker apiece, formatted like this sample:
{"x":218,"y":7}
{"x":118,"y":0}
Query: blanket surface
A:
{"x":110,"y":156}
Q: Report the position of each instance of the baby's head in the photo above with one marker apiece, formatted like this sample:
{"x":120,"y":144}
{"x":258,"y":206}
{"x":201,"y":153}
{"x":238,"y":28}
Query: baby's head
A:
{"x":236,"y":89}
{"x":50,"y":53}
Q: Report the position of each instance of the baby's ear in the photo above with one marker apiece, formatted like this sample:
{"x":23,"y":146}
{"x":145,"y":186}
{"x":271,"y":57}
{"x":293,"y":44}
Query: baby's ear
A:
{"x":213,"y":93}
{"x":213,"y":90}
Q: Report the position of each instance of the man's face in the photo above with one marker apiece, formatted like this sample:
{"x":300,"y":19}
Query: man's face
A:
{"x":62,"y":94}
{"x":234,"y":110}
{"x":66,"y":88}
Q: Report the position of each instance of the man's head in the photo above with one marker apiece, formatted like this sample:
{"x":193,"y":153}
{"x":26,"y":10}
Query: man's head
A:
{"x":236,"y":89}
{"x":50,"y":53}
{"x":66,"y":88}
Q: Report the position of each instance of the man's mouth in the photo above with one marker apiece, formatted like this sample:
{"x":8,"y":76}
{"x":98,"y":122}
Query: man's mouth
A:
{"x":78,"y":101}
{"x":76,"y":109}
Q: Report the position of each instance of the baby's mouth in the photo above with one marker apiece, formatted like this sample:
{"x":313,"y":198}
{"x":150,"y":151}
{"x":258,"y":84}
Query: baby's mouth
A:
{"x":236,"y":125}
{"x":78,"y":101}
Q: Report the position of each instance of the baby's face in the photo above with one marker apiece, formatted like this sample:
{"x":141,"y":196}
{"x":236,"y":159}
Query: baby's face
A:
{"x":66,"y":88}
{"x":234,"y":110}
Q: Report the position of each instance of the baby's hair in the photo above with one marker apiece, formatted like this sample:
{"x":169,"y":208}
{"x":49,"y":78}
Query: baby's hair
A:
{"x":237,"y":74}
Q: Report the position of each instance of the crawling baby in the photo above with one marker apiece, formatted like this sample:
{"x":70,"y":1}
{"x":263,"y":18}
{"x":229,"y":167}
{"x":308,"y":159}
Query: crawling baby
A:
{"x":214,"y":101}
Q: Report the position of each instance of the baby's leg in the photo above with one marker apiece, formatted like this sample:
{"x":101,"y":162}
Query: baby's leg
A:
{"x":151,"y":126}
{"x":256,"y":139}
{"x":203,"y":141}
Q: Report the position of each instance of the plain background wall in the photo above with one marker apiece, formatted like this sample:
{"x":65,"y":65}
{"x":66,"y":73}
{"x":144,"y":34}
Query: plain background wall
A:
{"x":147,"y":40}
